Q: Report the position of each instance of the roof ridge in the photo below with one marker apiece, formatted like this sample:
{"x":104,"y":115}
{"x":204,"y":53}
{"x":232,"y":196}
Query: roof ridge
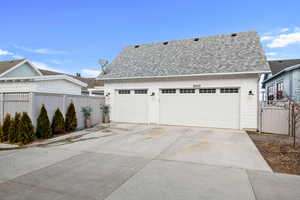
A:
{"x":16,"y":60}
{"x":191,"y":38}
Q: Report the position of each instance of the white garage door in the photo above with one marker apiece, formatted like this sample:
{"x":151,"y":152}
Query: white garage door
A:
{"x":207,"y":107}
{"x":131,"y":106}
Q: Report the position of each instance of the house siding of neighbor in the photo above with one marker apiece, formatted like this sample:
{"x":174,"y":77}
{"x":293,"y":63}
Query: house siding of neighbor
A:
{"x":22,"y":71}
{"x":284,"y":83}
{"x":23,"y":76}
{"x":208,"y":82}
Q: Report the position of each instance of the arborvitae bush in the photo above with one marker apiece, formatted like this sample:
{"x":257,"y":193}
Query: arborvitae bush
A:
{"x":25,"y":129}
{"x":71,"y":120}
{"x":13,"y":130}
{"x":5,"y":128}
{"x":43,"y":129}
{"x":58,"y":125}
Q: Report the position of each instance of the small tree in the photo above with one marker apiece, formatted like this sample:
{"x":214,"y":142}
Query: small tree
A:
{"x":43,"y":129}
{"x":13,"y":130}
{"x":71,"y":120}
{"x":58,"y":125}
{"x":5,"y":128}
{"x":25,"y":129}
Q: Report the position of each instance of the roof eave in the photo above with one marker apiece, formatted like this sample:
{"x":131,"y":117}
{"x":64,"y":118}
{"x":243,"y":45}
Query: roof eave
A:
{"x":48,"y":78}
{"x":188,"y":75}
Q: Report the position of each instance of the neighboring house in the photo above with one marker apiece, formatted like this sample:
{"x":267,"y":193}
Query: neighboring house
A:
{"x":94,"y":87}
{"x":209,"y":82}
{"x":284,"y":81}
{"x":23,"y":76}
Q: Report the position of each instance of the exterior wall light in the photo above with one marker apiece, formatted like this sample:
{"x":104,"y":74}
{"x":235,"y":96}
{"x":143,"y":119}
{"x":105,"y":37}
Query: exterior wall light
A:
{"x":250,"y":93}
{"x":152,"y":94}
{"x":107,"y":95}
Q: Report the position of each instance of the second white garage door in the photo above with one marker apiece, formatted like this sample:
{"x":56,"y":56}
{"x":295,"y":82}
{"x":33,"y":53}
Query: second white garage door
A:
{"x":208,"y":107}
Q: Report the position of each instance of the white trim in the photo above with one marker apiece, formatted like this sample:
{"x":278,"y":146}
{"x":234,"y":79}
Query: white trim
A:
{"x":18,"y":65}
{"x":189,"y":75}
{"x":46,"y":78}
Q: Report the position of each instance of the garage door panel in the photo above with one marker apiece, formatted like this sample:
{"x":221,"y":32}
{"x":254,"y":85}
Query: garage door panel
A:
{"x":131,"y":108}
{"x":219,"y":110}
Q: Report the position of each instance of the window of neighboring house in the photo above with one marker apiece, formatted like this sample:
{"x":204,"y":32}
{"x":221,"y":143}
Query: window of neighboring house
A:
{"x":271,"y":92}
{"x":279,"y":93}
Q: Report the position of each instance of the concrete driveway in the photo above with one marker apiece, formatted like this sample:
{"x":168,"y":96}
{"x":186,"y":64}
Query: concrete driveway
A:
{"x":130,"y":161}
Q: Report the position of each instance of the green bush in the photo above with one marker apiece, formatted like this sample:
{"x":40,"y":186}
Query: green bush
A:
{"x":71,"y":120}
{"x":25,"y":129}
{"x":13,"y":130}
{"x":58,"y":125}
{"x":5,"y":128}
{"x":43,"y":129}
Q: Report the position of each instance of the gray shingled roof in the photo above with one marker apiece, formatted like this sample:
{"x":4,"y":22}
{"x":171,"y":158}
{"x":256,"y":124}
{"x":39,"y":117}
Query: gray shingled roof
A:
{"x":279,"y":65}
{"x":240,"y":52}
{"x":6,"y":65}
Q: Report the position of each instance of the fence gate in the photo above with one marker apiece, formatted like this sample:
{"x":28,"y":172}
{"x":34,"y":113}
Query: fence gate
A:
{"x":275,"y":118}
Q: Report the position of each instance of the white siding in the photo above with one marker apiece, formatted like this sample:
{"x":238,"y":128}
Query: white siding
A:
{"x":46,"y":86}
{"x":248,"y":104}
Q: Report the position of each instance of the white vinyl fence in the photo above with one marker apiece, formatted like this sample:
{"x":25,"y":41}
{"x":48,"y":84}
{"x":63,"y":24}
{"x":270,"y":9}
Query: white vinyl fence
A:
{"x":276,"y":118}
{"x":32,"y":102}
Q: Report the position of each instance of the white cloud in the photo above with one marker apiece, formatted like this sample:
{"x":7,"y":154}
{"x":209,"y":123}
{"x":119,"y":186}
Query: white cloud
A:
{"x":45,"y":66}
{"x":60,"y":62}
{"x":283,"y":39}
{"x":89,"y":73}
{"x":271,"y":54}
{"x":266,"y":38}
{"x":5,"y":53}
{"x":15,"y":56}
{"x":283,"y":30}
{"x":41,"y":50}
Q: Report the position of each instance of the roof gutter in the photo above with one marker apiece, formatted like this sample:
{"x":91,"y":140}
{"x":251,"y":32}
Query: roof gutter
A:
{"x":189,"y":75}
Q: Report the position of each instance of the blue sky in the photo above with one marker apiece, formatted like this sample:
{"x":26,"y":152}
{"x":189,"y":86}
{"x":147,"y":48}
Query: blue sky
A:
{"x":70,"y":36}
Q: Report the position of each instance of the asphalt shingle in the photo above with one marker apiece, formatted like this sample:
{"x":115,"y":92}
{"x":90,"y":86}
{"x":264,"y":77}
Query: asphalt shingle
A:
{"x":239,"y":52}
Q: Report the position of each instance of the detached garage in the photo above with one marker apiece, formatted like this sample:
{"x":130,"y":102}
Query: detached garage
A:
{"x":208,"y":82}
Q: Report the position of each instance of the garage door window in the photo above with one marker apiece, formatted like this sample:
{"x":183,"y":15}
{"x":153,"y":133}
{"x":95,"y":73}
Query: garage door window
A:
{"x":140,"y":91}
{"x":208,"y":90}
{"x":124,"y":91}
{"x":168,"y":91}
{"x":229,"y":90}
{"x":187,"y":90}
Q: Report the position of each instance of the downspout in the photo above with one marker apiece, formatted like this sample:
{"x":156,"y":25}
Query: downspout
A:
{"x":258,"y":104}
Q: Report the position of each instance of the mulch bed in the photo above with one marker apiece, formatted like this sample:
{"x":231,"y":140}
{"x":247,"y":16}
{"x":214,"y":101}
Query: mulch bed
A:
{"x":278,"y":151}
